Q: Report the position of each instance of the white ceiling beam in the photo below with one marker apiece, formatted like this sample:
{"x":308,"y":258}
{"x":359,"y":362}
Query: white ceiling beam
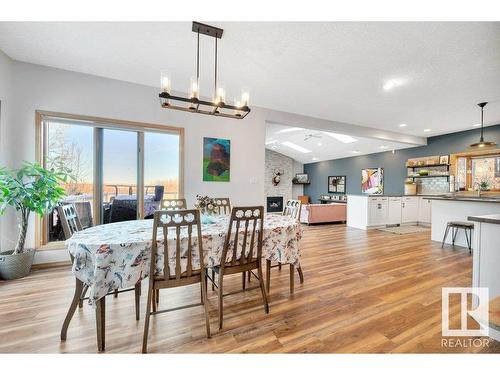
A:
{"x":300,"y":121}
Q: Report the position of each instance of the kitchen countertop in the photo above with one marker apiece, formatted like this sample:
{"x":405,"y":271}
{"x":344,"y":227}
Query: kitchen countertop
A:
{"x":484,"y":199}
{"x":491,"y":219}
{"x":397,"y":195}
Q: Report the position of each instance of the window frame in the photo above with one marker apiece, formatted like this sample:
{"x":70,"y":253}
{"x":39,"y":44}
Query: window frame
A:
{"x":41,"y":144}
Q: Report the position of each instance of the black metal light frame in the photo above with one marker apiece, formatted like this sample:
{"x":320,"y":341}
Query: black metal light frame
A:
{"x":197,"y":105}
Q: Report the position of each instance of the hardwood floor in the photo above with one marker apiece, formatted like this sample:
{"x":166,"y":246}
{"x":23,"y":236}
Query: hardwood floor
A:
{"x":364,"y":292}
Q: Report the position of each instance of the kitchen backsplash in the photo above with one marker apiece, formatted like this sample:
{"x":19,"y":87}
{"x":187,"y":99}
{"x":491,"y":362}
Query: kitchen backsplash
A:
{"x":433,"y":186}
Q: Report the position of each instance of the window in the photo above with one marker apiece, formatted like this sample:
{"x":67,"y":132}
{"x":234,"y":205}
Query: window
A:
{"x":120,"y":170}
{"x":486,"y":172}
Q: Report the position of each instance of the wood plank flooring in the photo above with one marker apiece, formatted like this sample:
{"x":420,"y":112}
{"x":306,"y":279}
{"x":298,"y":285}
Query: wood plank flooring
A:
{"x":364,"y":292}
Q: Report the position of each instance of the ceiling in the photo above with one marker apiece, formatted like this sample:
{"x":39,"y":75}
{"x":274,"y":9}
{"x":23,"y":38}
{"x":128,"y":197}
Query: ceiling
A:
{"x":322,"y":145}
{"x":329,"y":70}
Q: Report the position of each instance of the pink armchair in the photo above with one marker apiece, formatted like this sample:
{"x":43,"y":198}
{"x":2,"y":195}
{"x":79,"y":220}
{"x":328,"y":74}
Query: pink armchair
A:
{"x":323,"y":213}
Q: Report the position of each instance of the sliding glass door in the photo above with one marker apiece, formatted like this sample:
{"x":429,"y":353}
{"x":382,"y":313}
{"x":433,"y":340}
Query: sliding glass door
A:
{"x":119,"y":171}
{"x":119,"y":175}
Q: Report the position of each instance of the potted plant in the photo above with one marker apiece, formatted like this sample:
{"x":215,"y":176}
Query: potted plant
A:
{"x":29,"y":189}
{"x":484,"y":185}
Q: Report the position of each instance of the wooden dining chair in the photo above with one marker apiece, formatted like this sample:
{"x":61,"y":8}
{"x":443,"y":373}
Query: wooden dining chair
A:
{"x":179,"y":269}
{"x":173,"y":204}
{"x":243,"y":244}
{"x":71,"y":224}
{"x":222,"y":206}
{"x":292,"y":209}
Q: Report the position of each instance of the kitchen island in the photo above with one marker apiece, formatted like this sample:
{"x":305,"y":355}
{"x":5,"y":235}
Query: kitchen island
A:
{"x":486,"y":264}
{"x":459,"y":208}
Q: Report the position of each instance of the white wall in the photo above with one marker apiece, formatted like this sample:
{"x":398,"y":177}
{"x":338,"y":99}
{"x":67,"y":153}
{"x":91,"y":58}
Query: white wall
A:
{"x":6,"y":65}
{"x":42,"y":88}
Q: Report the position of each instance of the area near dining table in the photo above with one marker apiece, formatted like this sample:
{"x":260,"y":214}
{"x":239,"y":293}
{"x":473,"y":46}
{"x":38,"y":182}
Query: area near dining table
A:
{"x":117,"y":256}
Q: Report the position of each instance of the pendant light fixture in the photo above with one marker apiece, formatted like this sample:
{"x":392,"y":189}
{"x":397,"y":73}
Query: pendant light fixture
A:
{"x":192,"y":102}
{"x":482,"y":143}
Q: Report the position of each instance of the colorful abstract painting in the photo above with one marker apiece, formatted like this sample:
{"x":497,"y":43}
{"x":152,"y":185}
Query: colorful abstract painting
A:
{"x":372,"y":181}
{"x":216,"y":159}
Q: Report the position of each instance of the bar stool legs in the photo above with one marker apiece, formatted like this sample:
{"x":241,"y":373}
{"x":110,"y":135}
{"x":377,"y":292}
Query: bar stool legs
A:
{"x":455,"y":226}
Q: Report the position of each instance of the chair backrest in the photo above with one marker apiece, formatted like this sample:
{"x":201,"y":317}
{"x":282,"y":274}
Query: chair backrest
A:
{"x":69,"y":220}
{"x":222,"y":206}
{"x":84,"y":212}
{"x":244,"y":236}
{"x":292,"y":208}
{"x":180,"y":221}
{"x":159,"y":189}
{"x":123,"y":210}
{"x":173,"y":204}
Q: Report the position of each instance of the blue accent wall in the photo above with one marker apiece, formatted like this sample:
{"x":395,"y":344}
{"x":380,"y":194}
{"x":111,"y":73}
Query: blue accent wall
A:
{"x":394,"y":164}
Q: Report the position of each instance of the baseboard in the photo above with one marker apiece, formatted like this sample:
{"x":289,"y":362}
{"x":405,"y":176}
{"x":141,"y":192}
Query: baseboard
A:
{"x":42,"y":266}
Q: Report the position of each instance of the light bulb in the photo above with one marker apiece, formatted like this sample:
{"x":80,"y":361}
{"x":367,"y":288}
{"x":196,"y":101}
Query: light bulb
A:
{"x":220,"y":95}
{"x":194,"y":88}
{"x":245,"y":97}
{"x":165,"y":82}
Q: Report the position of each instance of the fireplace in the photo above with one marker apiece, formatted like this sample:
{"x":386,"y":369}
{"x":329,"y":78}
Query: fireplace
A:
{"x":274,"y":204}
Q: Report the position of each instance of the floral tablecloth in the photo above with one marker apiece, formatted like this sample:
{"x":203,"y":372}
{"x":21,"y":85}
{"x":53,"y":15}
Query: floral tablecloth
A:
{"x":117,"y":255}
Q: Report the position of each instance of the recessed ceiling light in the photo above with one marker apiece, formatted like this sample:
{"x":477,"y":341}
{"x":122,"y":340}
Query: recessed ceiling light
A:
{"x":402,"y":125}
{"x":476,"y":125}
{"x":296,"y":147}
{"x":315,"y":159}
{"x":270,"y":142}
{"x":427,"y":130}
{"x":383,"y":147}
{"x":392,"y":83}
{"x":288,"y":130}
{"x":342,"y":137}
{"x":355,"y":152}
{"x":320,"y":144}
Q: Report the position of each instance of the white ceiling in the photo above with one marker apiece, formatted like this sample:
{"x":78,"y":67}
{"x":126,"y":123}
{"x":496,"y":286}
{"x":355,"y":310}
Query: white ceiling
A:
{"x":322,"y":145}
{"x":333,"y":70}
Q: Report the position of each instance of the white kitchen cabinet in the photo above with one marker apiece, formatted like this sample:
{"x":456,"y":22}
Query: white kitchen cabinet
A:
{"x":424,"y":210}
{"x":409,"y":210}
{"x":394,"y":211}
{"x":377,"y":211}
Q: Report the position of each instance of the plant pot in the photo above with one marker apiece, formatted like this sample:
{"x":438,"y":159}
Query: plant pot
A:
{"x":15,"y":266}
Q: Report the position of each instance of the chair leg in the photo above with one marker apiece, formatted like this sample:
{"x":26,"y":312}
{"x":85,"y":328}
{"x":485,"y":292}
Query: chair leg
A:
{"x":157,"y":297}
{"x":204,"y":301}
{"x":467,"y":239}
{"x":153,"y":300}
{"x":213,"y":279}
{"x":454,"y":232}
{"x":292,"y":278}
{"x":268,"y":276}
{"x":263,"y":289}
{"x":84,"y":292}
{"x":146,"y":320}
{"x":249,"y":275}
{"x":445,"y":235}
{"x":220,"y":291}
{"x":72,"y":308}
{"x":279,"y":266}
{"x":244,"y":279}
{"x":301,"y":275}
{"x":116,"y":293}
{"x":100,"y":314}
{"x":137,"y":293}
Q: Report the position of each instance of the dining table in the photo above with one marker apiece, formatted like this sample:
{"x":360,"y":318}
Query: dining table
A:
{"x":116,"y":256}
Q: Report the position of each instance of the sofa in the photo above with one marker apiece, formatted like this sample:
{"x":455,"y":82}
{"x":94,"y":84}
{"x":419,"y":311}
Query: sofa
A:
{"x":323,"y":213}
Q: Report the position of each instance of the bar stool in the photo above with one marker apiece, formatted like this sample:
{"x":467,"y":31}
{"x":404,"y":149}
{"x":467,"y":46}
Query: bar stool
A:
{"x":455,"y":226}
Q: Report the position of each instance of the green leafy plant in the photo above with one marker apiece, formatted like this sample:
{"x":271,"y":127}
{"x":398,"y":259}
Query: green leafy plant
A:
{"x":31,"y":188}
{"x":484,"y":185}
